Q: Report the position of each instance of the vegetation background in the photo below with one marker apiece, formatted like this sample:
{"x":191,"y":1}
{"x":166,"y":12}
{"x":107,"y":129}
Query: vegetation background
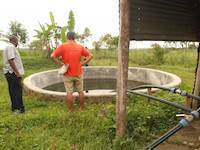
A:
{"x":48,"y":125}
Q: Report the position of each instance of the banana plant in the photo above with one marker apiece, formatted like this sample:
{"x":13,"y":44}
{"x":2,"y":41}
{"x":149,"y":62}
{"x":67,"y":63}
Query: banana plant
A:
{"x":58,"y":33}
{"x":44,"y":34}
{"x":55,"y":29}
{"x":52,"y":34}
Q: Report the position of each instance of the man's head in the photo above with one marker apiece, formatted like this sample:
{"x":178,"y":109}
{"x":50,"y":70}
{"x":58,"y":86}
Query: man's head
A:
{"x":13,"y":39}
{"x":71,"y":35}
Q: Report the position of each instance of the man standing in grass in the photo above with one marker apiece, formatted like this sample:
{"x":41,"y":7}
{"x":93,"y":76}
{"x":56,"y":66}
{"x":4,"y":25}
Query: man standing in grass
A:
{"x":13,"y":70}
{"x":71,"y":53}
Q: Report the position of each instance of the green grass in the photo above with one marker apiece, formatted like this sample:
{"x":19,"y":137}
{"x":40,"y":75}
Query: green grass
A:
{"x":48,"y":125}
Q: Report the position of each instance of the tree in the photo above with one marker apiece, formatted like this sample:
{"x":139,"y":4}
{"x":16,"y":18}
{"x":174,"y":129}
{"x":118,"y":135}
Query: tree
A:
{"x":71,"y":21}
{"x":111,"y":42}
{"x":192,"y":45}
{"x":188,"y":45}
{"x":85,"y":36}
{"x":17,"y":29}
{"x":97,"y":45}
{"x":108,"y":41}
{"x":171,"y":44}
{"x":36,"y":45}
{"x":158,"y":53}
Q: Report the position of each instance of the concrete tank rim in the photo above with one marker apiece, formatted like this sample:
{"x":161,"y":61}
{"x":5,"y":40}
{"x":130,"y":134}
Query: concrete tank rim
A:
{"x":93,"y":93}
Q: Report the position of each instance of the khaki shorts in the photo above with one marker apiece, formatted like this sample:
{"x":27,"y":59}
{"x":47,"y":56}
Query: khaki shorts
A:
{"x":73,"y":83}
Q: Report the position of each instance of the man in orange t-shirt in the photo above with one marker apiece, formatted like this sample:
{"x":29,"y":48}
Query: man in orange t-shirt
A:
{"x":71,"y":53}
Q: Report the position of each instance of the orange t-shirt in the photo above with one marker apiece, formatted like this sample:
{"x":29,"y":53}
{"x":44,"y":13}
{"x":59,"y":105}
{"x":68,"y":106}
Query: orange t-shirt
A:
{"x":71,"y":53}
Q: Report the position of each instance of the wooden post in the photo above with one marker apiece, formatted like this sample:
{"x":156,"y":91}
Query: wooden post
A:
{"x":149,"y":92}
{"x":196,"y":90}
{"x":123,"y":56}
{"x":188,"y":102}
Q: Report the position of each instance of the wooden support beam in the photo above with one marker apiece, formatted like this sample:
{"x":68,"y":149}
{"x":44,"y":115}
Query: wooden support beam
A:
{"x":196,"y":90}
{"x":123,"y":57}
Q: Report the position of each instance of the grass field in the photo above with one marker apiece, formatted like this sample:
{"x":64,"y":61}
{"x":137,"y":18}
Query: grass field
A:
{"x":48,"y":125}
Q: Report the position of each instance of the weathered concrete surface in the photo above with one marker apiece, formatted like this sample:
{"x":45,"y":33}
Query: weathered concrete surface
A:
{"x":35,"y":83}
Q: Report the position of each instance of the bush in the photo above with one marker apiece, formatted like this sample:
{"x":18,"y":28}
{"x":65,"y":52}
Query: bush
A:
{"x":140,"y":57}
{"x":158,"y":54}
{"x":183,"y":57}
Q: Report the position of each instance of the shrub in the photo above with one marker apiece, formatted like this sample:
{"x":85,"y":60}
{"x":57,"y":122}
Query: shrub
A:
{"x":158,"y":54}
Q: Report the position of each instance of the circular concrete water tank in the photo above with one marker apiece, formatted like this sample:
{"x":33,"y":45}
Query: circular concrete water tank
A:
{"x":35,"y":83}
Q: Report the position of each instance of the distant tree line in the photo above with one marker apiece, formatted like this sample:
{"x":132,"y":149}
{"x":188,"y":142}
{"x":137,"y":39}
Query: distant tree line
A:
{"x":182,"y":44}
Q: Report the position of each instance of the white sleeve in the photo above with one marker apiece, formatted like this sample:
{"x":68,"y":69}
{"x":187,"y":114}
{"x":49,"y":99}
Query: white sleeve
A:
{"x":10,"y":53}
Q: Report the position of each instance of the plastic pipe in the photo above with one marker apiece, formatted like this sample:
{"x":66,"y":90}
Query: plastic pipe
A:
{"x":189,"y":110}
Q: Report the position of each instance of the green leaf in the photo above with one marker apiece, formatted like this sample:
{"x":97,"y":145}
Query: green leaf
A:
{"x":42,"y":27}
{"x":63,"y":35}
{"x":52,"y":18}
{"x":49,"y":28}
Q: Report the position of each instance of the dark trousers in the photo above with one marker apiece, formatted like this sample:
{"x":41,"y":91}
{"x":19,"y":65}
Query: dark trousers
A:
{"x":15,"y":91}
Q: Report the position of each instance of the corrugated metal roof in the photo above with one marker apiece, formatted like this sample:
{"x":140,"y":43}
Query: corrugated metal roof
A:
{"x":168,"y":20}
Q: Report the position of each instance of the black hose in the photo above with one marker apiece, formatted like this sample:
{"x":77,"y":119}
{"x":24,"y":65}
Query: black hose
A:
{"x":165,"y":136}
{"x":183,"y":123}
{"x":193,"y":96}
{"x":189,"y":110}
{"x":173,"y":90}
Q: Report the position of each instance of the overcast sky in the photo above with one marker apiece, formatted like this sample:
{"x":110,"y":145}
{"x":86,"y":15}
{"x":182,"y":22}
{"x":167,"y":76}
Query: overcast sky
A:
{"x":100,"y":16}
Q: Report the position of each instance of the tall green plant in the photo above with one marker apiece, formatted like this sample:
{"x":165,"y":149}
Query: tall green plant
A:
{"x":44,"y":34}
{"x":63,"y":34}
{"x":55,"y":30}
{"x":51,"y":34}
{"x":71,"y":21}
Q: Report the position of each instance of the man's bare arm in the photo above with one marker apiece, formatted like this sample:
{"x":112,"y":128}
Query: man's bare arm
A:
{"x":12,"y":64}
{"x":56,"y":60}
{"x":87,"y":59}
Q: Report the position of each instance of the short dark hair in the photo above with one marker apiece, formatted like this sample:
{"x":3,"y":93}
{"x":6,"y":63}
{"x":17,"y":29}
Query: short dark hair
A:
{"x":13,"y":38}
{"x":71,"y":35}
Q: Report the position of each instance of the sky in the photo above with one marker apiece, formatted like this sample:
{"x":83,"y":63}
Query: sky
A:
{"x":100,"y":16}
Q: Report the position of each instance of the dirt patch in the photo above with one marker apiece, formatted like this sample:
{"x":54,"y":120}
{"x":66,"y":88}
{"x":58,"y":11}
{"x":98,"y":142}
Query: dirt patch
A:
{"x":186,"y":139}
